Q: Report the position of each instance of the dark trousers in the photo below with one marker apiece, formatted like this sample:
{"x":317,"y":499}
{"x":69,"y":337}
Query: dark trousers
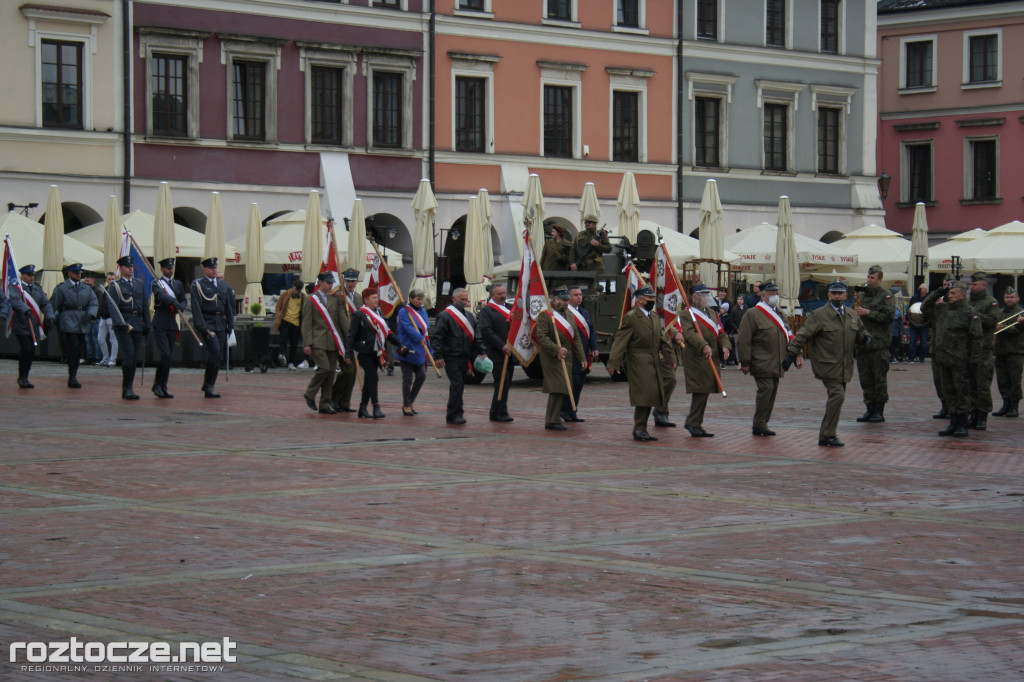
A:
{"x":165,"y":340}
{"x":26,"y":353}
{"x":413,"y":377}
{"x":579,"y":374}
{"x":499,"y":403}
{"x":370,"y":365}
{"x":74,"y":344}
{"x":216,"y":348}
{"x":129,"y":345}
{"x":764,"y":400}
{"x":918,"y":342}
{"x":1009,"y":368}
{"x":873,"y":368}
{"x":290,"y":335}
{"x":323,"y":378}
{"x":456,"y":368}
{"x":345,"y":382}
{"x":92,"y":346}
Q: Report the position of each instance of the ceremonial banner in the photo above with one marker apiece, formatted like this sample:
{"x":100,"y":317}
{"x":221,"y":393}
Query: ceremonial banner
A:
{"x":387,"y":289}
{"x":143,"y":270}
{"x":330,"y":260}
{"x":666,"y":287}
{"x":12,"y":284}
{"x":632,"y":284}
{"x":531,"y":300}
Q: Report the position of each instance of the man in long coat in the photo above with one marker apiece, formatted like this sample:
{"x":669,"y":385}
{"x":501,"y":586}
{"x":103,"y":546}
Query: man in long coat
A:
{"x":560,"y":347}
{"x":75,"y":303}
{"x":642,"y":344}
{"x":836,"y":333}
{"x":762,"y":344}
{"x":324,"y":329}
{"x":341,"y":393}
{"x":701,"y":351}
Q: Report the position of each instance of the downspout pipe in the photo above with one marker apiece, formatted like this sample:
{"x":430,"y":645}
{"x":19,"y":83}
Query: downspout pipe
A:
{"x":431,"y":78}
{"x":680,"y":99}
{"x":126,"y":77}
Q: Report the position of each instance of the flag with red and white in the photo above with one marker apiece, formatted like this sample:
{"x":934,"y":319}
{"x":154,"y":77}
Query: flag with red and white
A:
{"x":330,"y":261}
{"x":387,"y":288}
{"x":12,"y":287}
{"x":531,"y":300}
{"x":632,"y":284}
{"x":666,"y":286}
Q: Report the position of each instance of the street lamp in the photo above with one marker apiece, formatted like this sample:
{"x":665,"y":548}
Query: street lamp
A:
{"x":884,"y":180}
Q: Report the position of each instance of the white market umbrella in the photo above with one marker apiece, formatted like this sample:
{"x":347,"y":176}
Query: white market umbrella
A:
{"x":356,"y":239}
{"x":163,"y":226}
{"x":472,"y":256}
{"x":254,"y":265}
{"x":486,"y":218}
{"x":27,"y":241}
{"x":940,"y":256}
{"x":876,"y":245}
{"x":1000,"y":250}
{"x":712,"y":241}
{"x":312,"y":239}
{"x":533,"y":209}
{"x":787,"y":270}
{"x":53,"y":242}
{"x":213,"y":242}
{"x":424,"y":208}
{"x":189,"y":243}
{"x":589,"y":205}
{"x":628,"y":208}
{"x":919,"y":243}
{"x":756,"y":248}
{"x":111,"y":235}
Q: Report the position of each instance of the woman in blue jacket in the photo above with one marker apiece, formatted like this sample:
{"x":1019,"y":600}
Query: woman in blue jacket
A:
{"x":413,"y":333}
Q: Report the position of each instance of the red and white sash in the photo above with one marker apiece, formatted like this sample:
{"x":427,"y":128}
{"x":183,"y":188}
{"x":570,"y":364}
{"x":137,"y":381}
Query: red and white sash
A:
{"x":380,"y":327}
{"x":706,"y":321}
{"x":562,"y":325}
{"x":581,"y":324}
{"x":775,"y":318}
{"x":350,"y":303}
{"x":322,"y":309}
{"x":461,"y":320}
{"x":418,"y":322}
{"x":505,"y":312}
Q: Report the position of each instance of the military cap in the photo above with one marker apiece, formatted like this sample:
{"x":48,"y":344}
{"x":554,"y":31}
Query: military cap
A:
{"x":562,"y":293}
{"x":210,"y":262}
{"x":959,"y":285}
{"x":949,"y":278}
{"x":126,"y":261}
{"x":645,"y":291}
{"x":1009,"y":290}
{"x":979,"y":277}
{"x":875,"y":270}
{"x":27,"y":270}
{"x":167,"y":263}
{"x":770,"y":285}
{"x":75,"y":267}
{"x":837,"y":285}
{"x":325,"y":277}
{"x":351,"y":275}
{"x":698,"y":289}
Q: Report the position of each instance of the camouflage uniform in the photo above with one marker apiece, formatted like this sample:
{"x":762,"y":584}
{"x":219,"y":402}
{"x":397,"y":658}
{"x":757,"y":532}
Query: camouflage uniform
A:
{"x":873,"y":363}
{"x":958,"y":337}
{"x":982,"y":364}
{"x":1009,"y":362}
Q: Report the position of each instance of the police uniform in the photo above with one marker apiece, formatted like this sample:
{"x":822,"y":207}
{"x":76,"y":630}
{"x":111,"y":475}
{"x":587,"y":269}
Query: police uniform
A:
{"x":76,"y":306}
{"x":958,"y":337}
{"x":982,"y":363}
{"x":131,"y":323}
{"x":168,"y":300}
{"x":873,"y":362}
{"x":213,"y":314}
{"x":23,"y":322}
{"x":1009,"y":358}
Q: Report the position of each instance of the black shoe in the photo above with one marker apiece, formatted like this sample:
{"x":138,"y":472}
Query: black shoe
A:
{"x":158,"y":390}
{"x":128,"y":394}
{"x":942,"y":413}
{"x":950,"y":428}
{"x":166,"y":394}
{"x":661,"y":419}
{"x":640,"y":434}
{"x":413,"y":410}
{"x":502,"y":418}
{"x":407,"y":412}
{"x":1002,"y":410}
{"x":310,"y":402}
{"x":458,"y":421}
{"x":556,"y":427}
{"x":23,"y":382}
{"x":971,"y":419}
{"x":866,"y":417}
{"x":1012,"y":411}
{"x":335,"y":406}
{"x":363,"y":413}
{"x":576,"y":420}
{"x":327,"y":409}
{"x":343,"y":409}
{"x":208,"y":392}
{"x":73,"y":382}
{"x":960,"y":423}
{"x":377,"y":414}
{"x":980,"y":420}
{"x":757,"y":431}
{"x":831,"y":442}
{"x":699,"y":432}
{"x":878,"y":415}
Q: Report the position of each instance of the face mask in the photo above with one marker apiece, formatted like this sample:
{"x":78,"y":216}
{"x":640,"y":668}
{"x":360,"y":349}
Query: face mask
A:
{"x":773,"y":301}
{"x":459,"y":304}
{"x":649,"y":305}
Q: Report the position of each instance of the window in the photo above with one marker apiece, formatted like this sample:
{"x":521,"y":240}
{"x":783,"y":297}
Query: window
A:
{"x":327,"y":104}
{"x":387,"y":109}
{"x":984,"y":58}
{"x":775,"y":136}
{"x":706,"y":136}
{"x":249,"y":103}
{"x":560,"y":9}
{"x":62,"y":84}
{"x":983,"y":170}
{"x":830,"y":26}
{"x":919,"y":64}
{"x":625,"y":126}
{"x":172,"y":80}
{"x":470,"y":94}
{"x":917,"y":158}
{"x":169,"y":95}
{"x":558,"y":121}
{"x":707,"y":19}
{"x":829,"y":140}
{"x":473,"y":5}
{"x":775,"y":23}
{"x":253,"y":62}
{"x":628,"y":13}
{"x":389,"y":4}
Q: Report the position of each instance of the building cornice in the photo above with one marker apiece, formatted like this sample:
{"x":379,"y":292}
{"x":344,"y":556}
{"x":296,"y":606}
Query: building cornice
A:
{"x":962,"y":14}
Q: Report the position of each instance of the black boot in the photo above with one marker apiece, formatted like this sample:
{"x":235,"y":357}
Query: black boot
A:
{"x":73,"y":381}
{"x":866,"y":417}
{"x":948,"y":431}
{"x":363,"y":414}
{"x":1002,"y":410}
{"x":1012,"y":411}
{"x":972,"y":418}
{"x":942,"y":413}
{"x":209,"y":382}
{"x":980,"y":420}
{"x":127,"y":393}
{"x":377,"y":413}
{"x":878,"y":415}
{"x":960,"y":430}
{"x":661,"y":419}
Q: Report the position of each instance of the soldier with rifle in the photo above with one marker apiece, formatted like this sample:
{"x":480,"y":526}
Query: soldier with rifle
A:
{"x":589,"y":245}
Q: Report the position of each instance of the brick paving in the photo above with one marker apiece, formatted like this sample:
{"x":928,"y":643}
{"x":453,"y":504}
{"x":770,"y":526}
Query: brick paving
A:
{"x":329,"y":547}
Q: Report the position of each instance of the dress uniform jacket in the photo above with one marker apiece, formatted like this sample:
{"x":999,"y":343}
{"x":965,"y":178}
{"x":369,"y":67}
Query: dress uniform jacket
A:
{"x":550,"y":340}
{"x":164,"y":316}
{"x":761,"y":344}
{"x":76,"y":306}
{"x":213,"y":305}
{"x":19,"y":309}
{"x":834,"y":338}
{"x":315,"y":332}
{"x":640,"y":342}
{"x":131,"y":302}
{"x":700,"y":378}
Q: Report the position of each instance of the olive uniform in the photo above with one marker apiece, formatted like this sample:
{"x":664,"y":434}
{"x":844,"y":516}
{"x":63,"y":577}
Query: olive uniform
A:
{"x":761,"y":346}
{"x":587,"y":256}
{"x":698,"y":370}
{"x":982,"y":363}
{"x":1009,"y":361}
{"x":642,"y":344}
{"x":556,"y":255}
{"x":873,"y":362}
{"x":958,"y":337}
{"x":550,"y":339}
{"x":341,"y":392}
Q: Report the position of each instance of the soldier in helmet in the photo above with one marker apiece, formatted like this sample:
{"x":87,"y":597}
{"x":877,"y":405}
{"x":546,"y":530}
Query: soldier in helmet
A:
{"x":836,"y":333}
{"x":958,"y":338}
{"x":213,"y":310}
{"x":1009,"y":353}
{"x":589,"y":246}
{"x":877,"y":311}
{"x":982,"y":363}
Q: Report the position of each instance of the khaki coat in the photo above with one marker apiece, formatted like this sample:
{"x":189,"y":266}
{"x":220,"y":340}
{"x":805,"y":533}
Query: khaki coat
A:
{"x":315,"y":332}
{"x":642,"y":344}
{"x":700,"y":378}
{"x":834,"y":339}
{"x":550,"y":340}
{"x":761,"y":345}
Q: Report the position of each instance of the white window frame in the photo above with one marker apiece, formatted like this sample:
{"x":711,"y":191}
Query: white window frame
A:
{"x":787,"y":30}
{"x":769,"y":91}
{"x":406,"y":66}
{"x":969,"y":167}
{"x":997,"y":31}
{"x":841,"y":28}
{"x":574,"y":16}
{"x":720,"y":38}
{"x":181,"y":43}
{"x":904,"y":40}
{"x":486,"y":13}
{"x":833,"y":97}
{"x":694,"y":81}
{"x":482,"y":67}
{"x":403,"y":4}
{"x":89,"y":48}
{"x":335,"y":57}
{"x":251,"y":49}
{"x":641,"y":27}
{"x":905,"y":169}
{"x":564,"y":75}
{"x":628,"y":80}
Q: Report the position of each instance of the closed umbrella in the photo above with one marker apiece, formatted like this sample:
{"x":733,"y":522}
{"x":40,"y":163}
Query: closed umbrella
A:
{"x":486,"y":216}
{"x":312,"y":239}
{"x":589,"y":205}
{"x":424,"y":208}
{"x":163,"y":225}
{"x":355,"y":258}
{"x":712,"y":241}
{"x":787,"y":270}
{"x":472,"y":257}
{"x":533,"y":210}
{"x":213,"y":244}
{"x":919,"y":246}
{"x":53,"y":242}
{"x":628,"y":207}
{"x":254,"y":262}
{"x":111,"y":235}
